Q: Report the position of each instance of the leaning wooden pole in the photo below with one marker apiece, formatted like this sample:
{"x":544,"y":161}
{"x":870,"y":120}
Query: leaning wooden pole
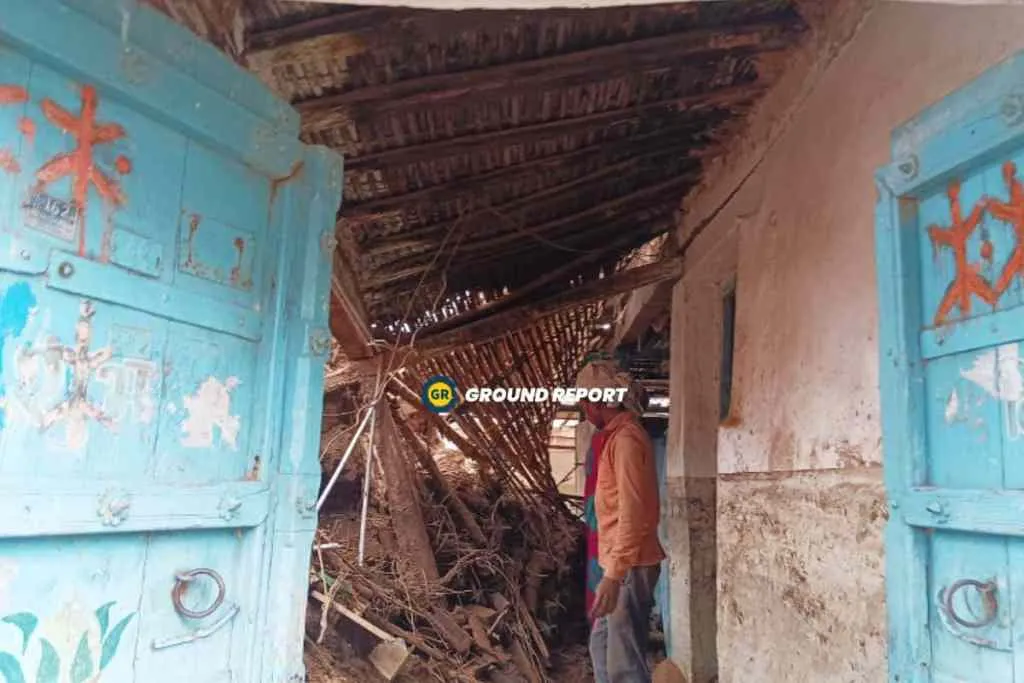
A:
{"x":404,"y":501}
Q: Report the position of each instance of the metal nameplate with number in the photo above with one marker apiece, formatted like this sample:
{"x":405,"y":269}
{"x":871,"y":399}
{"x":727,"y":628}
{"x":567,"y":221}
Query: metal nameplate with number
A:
{"x":52,"y":216}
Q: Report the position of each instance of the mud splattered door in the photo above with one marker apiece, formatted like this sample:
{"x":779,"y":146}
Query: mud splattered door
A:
{"x":950,"y":238}
{"x":164,"y":267}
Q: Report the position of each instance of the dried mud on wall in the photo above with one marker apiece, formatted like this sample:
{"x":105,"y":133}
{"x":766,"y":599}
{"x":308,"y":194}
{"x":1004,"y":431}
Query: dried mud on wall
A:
{"x":801,"y":593}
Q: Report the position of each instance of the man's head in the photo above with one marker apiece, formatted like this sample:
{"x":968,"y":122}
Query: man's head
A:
{"x":606,"y":374}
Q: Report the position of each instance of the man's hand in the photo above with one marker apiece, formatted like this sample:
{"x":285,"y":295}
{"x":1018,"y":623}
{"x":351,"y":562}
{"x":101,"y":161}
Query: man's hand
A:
{"x":606,"y":599}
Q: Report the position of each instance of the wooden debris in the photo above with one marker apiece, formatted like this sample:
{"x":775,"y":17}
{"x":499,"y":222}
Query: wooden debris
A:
{"x":445,"y":625}
{"x":473,"y":558}
{"x":390,"y":656}
{"x":403,"y":502}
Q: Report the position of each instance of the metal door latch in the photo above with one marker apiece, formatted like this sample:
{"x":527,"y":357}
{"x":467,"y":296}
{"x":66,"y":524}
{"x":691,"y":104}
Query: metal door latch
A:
{"x":199,"y":634}
{"x":987,"y":590}
{"x":181,"y":583}
{"x":953,"y":621}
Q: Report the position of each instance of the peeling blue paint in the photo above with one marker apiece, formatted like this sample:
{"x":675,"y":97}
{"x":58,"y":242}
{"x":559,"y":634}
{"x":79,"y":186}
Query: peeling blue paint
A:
{"x":15,"y":305}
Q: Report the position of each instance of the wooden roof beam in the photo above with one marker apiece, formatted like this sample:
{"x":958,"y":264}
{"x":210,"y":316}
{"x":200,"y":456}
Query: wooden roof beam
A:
{"x":562,"y":273}
{"x":548,"y":231}
{"x":633,"y":56}
{"x":543,"y":229}
{"x":602,"y":149}
{"x":531,"y":311}
{"x":336,"y":22}
{"x":347,"y":315}
{"x":609,"y":232}
{"x":718,"y":97}
{"x":429,"y":234}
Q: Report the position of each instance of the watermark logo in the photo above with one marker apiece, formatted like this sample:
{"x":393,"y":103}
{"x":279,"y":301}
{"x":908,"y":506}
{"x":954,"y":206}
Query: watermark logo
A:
{"x":440,"y":395}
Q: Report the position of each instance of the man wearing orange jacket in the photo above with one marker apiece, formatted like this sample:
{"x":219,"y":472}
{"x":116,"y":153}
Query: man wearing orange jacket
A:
{"x":628,"y":511}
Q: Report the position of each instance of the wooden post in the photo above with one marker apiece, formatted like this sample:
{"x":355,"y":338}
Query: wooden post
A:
{"x":451,"y":497}
{"x":403,"y":500}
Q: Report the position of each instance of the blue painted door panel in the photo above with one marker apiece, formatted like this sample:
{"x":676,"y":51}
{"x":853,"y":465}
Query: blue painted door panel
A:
{"x":950,"y":248}
{"x":164,"y":268}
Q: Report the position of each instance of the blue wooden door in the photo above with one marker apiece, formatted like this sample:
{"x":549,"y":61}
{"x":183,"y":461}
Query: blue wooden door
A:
{"x":950,"y":237}
{"x":165,"y":250}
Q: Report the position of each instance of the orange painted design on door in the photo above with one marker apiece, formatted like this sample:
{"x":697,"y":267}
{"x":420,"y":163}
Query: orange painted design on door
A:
{"x":79,"y":164}
{"x":968,"y":282}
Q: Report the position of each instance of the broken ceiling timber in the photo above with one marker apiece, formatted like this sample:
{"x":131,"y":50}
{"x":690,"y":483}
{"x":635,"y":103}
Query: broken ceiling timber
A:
{"x":568,"y":239}
{"x":551,"y":277}
{"x":428,"y":234}
{"x":567,"y":98}
{"x":629,"y":56}
{"x":348,"y":319}
{"x":410,"y":154}
{"x":579,"y":241}
{"x":640,"y":230}
{"x":602,"y":150}
{"x":520,"y":316}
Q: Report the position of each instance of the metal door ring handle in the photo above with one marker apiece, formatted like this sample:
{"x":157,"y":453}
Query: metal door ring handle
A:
{"x":988,"y":596}
{"x":181,"y":582}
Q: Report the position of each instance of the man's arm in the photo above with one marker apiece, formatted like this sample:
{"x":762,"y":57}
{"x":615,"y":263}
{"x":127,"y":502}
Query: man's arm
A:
{"x":637,"y":490}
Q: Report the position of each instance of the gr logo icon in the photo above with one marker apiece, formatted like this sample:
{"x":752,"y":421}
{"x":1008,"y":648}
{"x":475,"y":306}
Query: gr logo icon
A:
{"x":440,"y":394}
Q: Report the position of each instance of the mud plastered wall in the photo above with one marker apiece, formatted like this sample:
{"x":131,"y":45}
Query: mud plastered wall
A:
{"x":800,"y":508}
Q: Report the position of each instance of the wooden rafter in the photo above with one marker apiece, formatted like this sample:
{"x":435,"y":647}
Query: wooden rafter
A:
{"x":582,"y":239}
{"x":337,"y":22}
{"x":348,"y":318}
{"x":584,"y":185}
{"x":579,"y":125}
{"x":601,"y":149}
{"x":606,"y":60}
{"x":529,"y":312}
{"x":640,"y":231}
{"x":551,"y":231}
{"x":561,"y":274}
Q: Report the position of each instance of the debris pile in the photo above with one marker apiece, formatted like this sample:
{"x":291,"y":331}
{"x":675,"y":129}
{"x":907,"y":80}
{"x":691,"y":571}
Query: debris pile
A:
{"x":459,"y":569}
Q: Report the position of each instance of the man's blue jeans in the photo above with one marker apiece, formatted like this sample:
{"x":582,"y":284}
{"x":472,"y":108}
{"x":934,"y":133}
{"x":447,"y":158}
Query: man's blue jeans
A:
{"x":618,"y":642}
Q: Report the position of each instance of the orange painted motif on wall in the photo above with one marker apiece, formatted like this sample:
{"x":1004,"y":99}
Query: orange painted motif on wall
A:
{"x":968,"y":282}
{"x":79,"y":164}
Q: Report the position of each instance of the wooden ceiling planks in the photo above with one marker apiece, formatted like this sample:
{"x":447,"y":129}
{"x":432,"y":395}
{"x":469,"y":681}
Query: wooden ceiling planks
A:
{"x":503,"y":153}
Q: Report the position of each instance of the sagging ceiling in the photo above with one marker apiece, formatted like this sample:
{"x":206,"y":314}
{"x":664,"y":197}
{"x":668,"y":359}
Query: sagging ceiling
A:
{"x":490,"y":152}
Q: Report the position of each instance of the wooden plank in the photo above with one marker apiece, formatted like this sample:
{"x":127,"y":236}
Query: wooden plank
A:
{"x":562,"y":273}
{"x":348,"y":319}
{"x":579,"y":184}
{"x":603,"y":62}
{"x":978,"y":511}
{"x":642,"y":231}
{"x":578,"y":125}
{"x":528,"y":312}
{"x":97,"y":508}
{"x":404,"y":505}
{"x":902,"y":385}
{"x":451,"y":498}
{"x":473,"y":183}
{"x":541,"y":231}
{"x":389,"y":656}
{"x":342,"y":22}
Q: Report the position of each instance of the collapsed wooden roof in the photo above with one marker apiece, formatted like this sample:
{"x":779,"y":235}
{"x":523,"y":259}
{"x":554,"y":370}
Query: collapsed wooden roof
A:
{"x":502,"y":153}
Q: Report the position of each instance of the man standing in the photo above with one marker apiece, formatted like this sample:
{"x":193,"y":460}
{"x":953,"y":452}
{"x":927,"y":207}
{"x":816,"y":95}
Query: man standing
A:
{"x":627,"y":508}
